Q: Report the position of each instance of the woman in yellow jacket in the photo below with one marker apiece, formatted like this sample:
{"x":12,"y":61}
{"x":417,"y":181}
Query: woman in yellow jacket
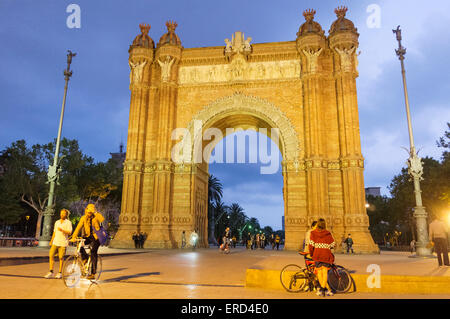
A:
{"x":90,"y":221}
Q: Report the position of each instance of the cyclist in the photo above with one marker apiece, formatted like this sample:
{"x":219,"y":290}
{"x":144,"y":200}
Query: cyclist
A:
{"x":89,"y":223}
{"x":226,"y":239}
{"x":59,"y":242}
{"x":320,"y":244}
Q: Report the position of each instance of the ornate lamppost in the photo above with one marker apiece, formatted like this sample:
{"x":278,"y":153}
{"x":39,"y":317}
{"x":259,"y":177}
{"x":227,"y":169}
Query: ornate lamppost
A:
{"x":55,"y":169}
{"x":415,"y":168}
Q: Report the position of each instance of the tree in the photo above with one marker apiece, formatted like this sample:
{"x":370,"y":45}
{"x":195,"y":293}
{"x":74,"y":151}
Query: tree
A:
{"x":237,"y":218}
{"x":214,"y":196}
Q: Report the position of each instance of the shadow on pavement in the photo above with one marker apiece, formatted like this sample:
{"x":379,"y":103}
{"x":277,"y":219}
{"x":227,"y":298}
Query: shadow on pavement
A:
{"x":121,"y":278}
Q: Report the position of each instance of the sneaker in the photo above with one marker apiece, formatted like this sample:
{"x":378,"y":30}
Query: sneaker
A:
{"x":58,"y":276}
{"x":91,"y":277}
{"x":49,"y":275}
{"x":329,"y":293}
{"x":320,"y":293}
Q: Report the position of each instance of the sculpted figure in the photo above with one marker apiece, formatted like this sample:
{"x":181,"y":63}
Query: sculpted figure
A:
{"x":346,"y":56}
{"x":312,"y":56}
{"x":136,"y":71}
{"x":165,"y":68}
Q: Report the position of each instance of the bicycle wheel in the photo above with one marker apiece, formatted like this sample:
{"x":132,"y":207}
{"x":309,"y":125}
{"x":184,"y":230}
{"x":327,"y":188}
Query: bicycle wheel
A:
{"x":339,"y":279}
{"x":293,"y":278}
{"x":72,"y":271}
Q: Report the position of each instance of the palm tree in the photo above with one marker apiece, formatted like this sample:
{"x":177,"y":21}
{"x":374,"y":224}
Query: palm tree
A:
{"x":214,"y":196}
{"x":237,"y":218}
{"x":221,"y":218}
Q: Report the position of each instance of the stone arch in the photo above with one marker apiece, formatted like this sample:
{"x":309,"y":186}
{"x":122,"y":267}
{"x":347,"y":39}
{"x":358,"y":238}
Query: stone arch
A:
{"x":239,"y":103}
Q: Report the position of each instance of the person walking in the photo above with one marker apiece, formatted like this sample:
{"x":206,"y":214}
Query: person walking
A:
{"x":263,"y":241}
{"x":193,"y":239}
{"x":272,"y":241}
{"x":183,"y":239}
{"x":412,"y":246}
{"x":320,"y":244}
{"x":277,"y":241}
{"x":438,"y":234}
{"x":349,"y":243}
{"x":249,"y":241}
{"x":88,"y":224}
{"x":59,"y":242}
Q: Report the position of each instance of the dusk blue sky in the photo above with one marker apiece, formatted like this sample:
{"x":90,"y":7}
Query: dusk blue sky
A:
{"x":34,"y":39}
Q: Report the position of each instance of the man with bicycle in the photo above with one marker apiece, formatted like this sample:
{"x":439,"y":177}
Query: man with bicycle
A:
{"x":88,"y":224}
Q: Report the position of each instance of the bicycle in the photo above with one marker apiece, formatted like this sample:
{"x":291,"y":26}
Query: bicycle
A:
{"x":295,"y":278}
{"x":74,"y":268}
{"x":225,"y":247}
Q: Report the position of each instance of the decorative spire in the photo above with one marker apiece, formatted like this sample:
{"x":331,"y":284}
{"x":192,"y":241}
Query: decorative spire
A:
{"x":144,"y":28}
{"x":143,"y":40}
{"x":310,"y":26}
{"x":340,"y":11}
{"x":309,"y":14}
{"x":171,"y":26}
{"x":170,"y":37}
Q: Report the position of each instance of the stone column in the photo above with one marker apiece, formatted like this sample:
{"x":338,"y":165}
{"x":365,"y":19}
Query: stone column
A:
{"x":160,"y":234}
{"x":140,"y":61}
{"x":343,"y":40}
{"x":311,"y":47}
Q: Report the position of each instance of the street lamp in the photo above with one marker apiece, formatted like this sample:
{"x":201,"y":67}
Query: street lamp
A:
{"x":55,"y":169}
{"x":415,"y":168}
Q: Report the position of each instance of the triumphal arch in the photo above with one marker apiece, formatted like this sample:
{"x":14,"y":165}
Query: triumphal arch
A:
{"x":305,"y":88}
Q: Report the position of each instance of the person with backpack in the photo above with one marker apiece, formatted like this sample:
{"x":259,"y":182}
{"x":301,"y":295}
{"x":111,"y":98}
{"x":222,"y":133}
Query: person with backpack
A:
{"x":89,"y":224}
{"x":320,"y":244}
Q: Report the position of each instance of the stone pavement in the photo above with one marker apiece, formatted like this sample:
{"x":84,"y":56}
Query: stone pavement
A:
{"x":204,"y":273}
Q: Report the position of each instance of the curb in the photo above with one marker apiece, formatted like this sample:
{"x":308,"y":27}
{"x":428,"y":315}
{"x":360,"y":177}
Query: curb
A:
{"x":270,"y":279}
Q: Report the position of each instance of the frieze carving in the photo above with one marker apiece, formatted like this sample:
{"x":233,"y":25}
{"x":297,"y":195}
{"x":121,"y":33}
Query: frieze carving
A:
{"x":239,"y":69}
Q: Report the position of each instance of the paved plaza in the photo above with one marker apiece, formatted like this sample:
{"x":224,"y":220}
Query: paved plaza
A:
{"x":180,"y":274}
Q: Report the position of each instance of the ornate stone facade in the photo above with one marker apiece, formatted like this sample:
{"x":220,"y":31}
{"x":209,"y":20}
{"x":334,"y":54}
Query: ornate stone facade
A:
{"x":305,"y":88}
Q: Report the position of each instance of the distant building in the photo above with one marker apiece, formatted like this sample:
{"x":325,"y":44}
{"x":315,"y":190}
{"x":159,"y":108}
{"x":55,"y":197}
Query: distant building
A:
{"x":119,"y":158}
{"x":373,"y":191}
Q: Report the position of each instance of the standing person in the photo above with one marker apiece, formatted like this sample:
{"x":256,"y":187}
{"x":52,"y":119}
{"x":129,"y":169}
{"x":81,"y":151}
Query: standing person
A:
{"x":140,"y":239}
{"x":272,"y":241}
{"x":135,"y":239}
{"x":277,"y":241}
{"x":263,"y":241}
{"x":320,"y":244}
{"x":59,"y":242}
{"x":249,"y":241}
{"x":412,"y":246}
{"x":183,"y":239}
{"x":349,"y":243}
{"x":193,"y":239}
{"x":438,"y":234}
{"x":307,"y":235}
{"x":88,"y":224}
{"x":233,"y":241}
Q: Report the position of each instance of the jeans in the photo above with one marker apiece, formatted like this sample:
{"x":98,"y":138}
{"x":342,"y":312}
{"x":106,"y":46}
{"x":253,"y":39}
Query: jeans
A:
{"x":94,"y":245}
{"x":440,"y":246}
